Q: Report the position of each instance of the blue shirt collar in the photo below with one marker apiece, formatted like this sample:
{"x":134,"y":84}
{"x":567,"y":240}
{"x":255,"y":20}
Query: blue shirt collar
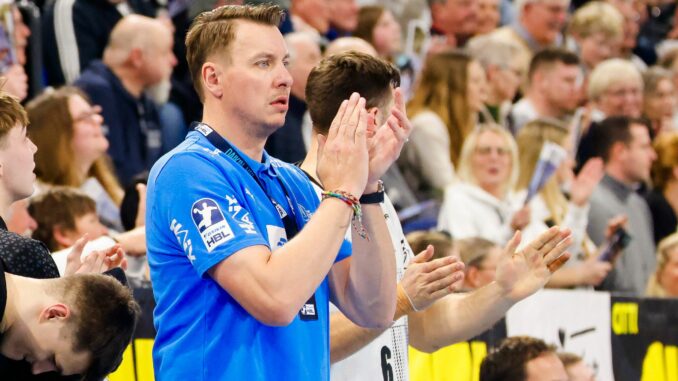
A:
{"x":258,"y":167}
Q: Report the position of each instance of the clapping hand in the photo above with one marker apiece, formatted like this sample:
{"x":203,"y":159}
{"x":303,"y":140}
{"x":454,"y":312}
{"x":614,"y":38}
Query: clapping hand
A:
{"x":426,"y":281}
{"x":343,"y":154}
{"x":522,"y":273}
{"x":388,"y":140}
{"x":98,"y":261}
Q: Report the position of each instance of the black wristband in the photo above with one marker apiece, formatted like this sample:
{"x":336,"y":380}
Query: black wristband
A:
{"x":376,"y":197}
{"x":372,"y":198}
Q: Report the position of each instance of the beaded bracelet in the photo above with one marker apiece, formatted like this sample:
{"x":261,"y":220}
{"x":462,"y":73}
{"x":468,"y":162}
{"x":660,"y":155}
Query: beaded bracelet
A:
{"x":354,"y":203}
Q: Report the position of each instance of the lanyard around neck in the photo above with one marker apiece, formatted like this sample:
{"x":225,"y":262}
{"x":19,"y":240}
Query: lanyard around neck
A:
{"x":289,"y":222}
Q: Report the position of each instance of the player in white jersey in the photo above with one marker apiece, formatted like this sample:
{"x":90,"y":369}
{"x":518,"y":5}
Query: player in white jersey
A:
{"x":365,"y":354}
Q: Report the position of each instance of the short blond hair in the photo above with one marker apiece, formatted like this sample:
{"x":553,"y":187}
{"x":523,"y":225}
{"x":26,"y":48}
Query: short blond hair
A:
{"x":465,"y":171}
{"x":609,"y":72}
{"x":654,"y":288}
{"x":214,"y":31}
{"x":519,"y":5}
{"x":490,"y":50}
{"x":597,"y":17}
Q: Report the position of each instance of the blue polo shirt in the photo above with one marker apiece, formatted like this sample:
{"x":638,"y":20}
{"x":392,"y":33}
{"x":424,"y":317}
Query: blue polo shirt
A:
{"x":202,"y":207}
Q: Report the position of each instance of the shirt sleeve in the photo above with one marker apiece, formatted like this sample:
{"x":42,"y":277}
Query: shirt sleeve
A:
{"x":208,"y":214}
{"x":432,"y":145}
{"x":456,"y":216}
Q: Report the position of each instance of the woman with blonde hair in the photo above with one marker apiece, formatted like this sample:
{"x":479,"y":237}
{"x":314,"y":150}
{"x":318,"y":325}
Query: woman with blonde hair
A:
{"x":444,"y":110}
{"x":598,"y":30}
{"x":663,"y":199}
{"x":552,"y":207}
{"x":482,"y":203}
{"x":664,"y":282}
{"x":72,"y":149}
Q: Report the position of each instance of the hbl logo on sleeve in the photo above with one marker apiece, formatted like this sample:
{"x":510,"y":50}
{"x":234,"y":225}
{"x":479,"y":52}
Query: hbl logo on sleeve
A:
{"x":211,"y":224}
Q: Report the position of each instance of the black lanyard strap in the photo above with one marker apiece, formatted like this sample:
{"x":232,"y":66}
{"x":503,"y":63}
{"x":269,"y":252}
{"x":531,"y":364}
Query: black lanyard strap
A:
{"x":289,"y":222}
{"x":309,"y":311}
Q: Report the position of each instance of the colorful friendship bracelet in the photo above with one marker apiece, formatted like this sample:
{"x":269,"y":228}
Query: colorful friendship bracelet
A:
{"x":354,"y":203}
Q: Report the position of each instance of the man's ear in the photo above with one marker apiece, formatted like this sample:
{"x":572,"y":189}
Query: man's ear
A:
{"x":527,"y":7}
{"x":58,"y":311}
{"x":471,"y":276}
{"x":537,"y":78}
{"x":64,"y":237}
{"x":211,"y":79}
{"x":618,"y":149}
{"x":136,"y":57}
{"x":373,"y":119}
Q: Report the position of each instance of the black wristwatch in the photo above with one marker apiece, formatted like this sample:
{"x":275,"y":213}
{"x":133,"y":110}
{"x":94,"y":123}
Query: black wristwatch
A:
{"x":376,"y":197}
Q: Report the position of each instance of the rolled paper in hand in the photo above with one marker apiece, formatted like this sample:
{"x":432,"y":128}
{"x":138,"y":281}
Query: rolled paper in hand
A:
{"x":550,"y":158}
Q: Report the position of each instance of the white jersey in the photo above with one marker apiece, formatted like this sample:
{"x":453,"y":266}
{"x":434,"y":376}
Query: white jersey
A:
{"x":385,"y":358}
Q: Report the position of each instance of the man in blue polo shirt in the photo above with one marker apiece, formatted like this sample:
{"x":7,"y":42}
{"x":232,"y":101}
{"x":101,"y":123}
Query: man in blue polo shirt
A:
{"x":242,"y":290}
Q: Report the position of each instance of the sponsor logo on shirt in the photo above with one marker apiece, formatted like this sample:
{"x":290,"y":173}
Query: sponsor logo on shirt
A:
{"x":308,"y":310}
{"x":276,"y":236}
{"x":214,"y":152}
{"x":241,"y":215}
{"x":182,"y":237}
{"x":211,"y":224}
{"x":305,"y":213}
{"x":247,"y":191}
{"x":203,"y":129}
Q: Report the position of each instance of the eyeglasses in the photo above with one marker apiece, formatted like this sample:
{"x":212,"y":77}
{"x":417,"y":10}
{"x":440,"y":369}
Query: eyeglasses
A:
{"x":618,"y":93}
{"x":486,"y":151}
{"x":88,"y":115}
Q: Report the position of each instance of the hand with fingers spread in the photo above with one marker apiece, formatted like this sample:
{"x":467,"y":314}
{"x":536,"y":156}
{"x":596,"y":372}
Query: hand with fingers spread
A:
{"x":586,"y":181}
{"x":387,"y":142}
{"x":522,"y":273}
{"x":343,"y":154}
{"x":426,"y":281}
